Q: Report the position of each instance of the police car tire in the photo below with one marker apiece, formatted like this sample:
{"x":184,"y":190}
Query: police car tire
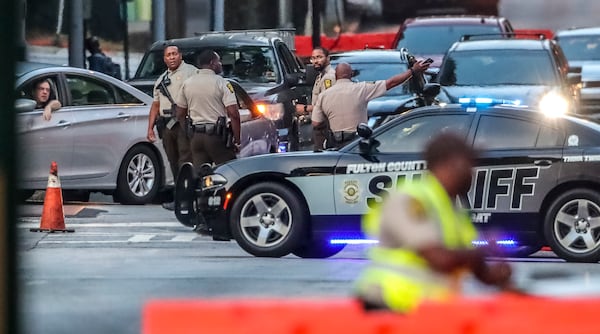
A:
{"x":318,"y":249}
{"x":136,"y":155}
{"x":568,"y":203}
{"x":293,"y":214}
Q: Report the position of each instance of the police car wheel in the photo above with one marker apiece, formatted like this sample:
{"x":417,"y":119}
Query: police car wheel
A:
{"x":572,"y":226}
{"x":185,"y":209}
{"x":139,"y":176}
{"x":318,"y":249}
{"x":268,"y":220}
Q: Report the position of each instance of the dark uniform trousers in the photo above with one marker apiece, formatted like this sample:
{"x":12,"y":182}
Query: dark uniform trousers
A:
{"x":177,"y":147}
{"x":209,"y":148}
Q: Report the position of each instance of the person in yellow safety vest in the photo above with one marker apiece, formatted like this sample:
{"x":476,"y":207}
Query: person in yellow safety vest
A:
{"x":425,"y":240}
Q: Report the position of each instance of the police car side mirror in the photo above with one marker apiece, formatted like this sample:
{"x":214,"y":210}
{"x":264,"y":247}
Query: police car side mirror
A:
{"x":24,"y":105}
{"x":431,"y":89}
{"x":364,"y":131}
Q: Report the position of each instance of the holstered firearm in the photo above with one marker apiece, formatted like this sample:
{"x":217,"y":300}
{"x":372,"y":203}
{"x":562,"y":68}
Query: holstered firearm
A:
{"x":189,"y":127}
{"x":223,"y":129}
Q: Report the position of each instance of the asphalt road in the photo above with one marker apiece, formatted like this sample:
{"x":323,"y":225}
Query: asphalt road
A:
{"x":99,"y":278}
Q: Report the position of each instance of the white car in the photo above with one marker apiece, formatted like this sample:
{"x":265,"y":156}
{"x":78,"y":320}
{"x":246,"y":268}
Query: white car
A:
{"x":582,"y":49}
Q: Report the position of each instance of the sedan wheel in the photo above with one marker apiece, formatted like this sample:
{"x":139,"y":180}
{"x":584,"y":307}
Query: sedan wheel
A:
{"x":268,"y":220}
{"x":572,"y":226}
{"x":139,"y":176}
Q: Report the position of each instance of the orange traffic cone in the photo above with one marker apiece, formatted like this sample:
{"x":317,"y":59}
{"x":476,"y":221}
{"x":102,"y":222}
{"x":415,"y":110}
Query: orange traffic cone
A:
{"x":53,"y":216}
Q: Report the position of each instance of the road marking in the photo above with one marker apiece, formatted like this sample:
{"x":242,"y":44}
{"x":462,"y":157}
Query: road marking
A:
{"x":132,"y":224}
{"x":141,"y":238}
{"x":184,"y":237}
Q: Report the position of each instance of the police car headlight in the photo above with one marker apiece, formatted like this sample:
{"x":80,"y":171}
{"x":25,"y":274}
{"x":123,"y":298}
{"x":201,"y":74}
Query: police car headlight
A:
{"x":553,"y":104}
{"x":213,"y":180}
{"x":271,"y":111}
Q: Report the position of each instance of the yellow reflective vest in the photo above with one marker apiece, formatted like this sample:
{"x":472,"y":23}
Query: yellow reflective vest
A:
{"x":403,"y":277}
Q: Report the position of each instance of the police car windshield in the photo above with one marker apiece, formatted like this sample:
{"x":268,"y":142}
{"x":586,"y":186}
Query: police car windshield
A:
{"x":252,"y":64}
{"x":497,"y":67}
{"x":418,"y":39}
{"x":581,"y":47}
{"x":377,"y":71}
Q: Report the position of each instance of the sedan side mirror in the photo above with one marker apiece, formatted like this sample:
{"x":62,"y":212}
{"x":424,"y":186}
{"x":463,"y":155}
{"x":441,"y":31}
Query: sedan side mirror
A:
{"x":24,"y":105}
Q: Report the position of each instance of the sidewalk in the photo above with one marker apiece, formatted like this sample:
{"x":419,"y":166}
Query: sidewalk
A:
{"x":60,"y":56}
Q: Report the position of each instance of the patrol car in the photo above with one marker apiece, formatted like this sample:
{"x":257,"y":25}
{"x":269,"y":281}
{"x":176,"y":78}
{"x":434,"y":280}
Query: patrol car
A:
{"x":536,"y":183}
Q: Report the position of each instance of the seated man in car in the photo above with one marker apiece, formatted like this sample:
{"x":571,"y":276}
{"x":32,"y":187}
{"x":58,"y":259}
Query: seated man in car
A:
{"x":43,"y":96}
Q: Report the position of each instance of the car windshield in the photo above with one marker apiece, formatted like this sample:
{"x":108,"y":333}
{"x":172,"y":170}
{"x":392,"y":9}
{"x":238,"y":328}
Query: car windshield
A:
{"x":581,"y":47}
{"x":253,"y":64}
{"x":377,"y":71}
{"x":497,"y":67}
{"x":438,"y":39}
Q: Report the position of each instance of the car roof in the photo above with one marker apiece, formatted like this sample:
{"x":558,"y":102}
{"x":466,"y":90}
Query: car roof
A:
{"x":369,"y":56}
{"x":501,"y":44}
{"x":578,"y":31}
{"x":218,"y":41}
{"x":453,"y":20}
{"x":27,"y":66}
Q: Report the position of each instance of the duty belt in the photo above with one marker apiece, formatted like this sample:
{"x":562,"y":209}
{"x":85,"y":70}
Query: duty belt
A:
{"x":207,"y":128}
{"x":341,"y":136}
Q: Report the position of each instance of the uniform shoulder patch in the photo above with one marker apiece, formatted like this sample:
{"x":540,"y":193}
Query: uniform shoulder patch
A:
{"x":230,"y":87}
{"x":327,"y":83}
{"x":416,"y":209}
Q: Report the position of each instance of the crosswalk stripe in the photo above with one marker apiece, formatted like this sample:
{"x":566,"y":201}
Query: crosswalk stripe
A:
{"x":141,"y":238}
{"x":132,"y":224}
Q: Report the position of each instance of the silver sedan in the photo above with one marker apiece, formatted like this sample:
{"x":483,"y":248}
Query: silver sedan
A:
{"x":98,"y":136}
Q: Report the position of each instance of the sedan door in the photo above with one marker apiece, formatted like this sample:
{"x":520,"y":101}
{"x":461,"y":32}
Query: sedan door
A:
{"x":43,"y":141}
{"x":519,"y":163}
{"x":364,"y":179}
{"x":105,"y":128}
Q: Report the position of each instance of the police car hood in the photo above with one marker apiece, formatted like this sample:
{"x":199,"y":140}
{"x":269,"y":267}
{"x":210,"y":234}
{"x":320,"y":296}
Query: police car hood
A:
{"x":289,"y":164}
{"x":387,"y":104}
{"x":259,"y":91}
{"x":526,"y":94}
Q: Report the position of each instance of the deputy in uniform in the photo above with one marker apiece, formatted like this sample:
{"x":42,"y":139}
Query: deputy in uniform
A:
{"x":162,"y":111}
{"x":425,"y":240}
{"x":344,"y":105}
{"x":206,"y":98}
{"x":325,"y":79}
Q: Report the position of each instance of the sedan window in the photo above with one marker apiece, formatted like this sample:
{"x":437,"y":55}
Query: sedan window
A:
{"x":27,"y":90}
{"x":505,"y":133}
{"x":412,"y":136}
{"x":87,"y":91}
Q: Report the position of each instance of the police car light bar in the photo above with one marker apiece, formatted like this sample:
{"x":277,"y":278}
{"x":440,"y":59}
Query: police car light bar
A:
{"x":486,"y":102}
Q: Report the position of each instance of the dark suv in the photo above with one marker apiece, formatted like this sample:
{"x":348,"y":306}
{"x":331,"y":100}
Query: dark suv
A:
{"x":530,"y":72}
{"x":432,"y":36}
{"x":263,"y":63}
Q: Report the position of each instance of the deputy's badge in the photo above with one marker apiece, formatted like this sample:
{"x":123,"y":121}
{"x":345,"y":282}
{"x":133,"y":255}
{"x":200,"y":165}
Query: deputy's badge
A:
{"x":351,"y":191}
{"x":416,"y":209}
{"x":327,"y":83}
{"x":230,"y":87}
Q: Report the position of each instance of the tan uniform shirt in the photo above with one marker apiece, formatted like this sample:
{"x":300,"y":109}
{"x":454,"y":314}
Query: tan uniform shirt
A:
{"x":324,"y":80}
{"x":206,"y":95}
{"x":177,"y":77}
{"x":345,"y":104}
